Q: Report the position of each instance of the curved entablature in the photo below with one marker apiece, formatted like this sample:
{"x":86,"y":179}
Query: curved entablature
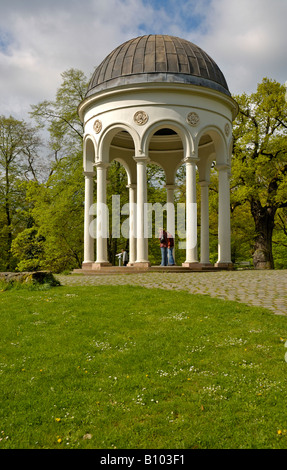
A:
{"x":175,"y":126}
{"x":219,"y":141}
{"x":108,"y":135}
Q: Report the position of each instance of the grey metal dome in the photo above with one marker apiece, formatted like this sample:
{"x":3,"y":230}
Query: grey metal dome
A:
{"x":157,"y":58}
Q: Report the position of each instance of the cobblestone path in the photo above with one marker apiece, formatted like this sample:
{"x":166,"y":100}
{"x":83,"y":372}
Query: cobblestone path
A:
{"x":266,"y":289}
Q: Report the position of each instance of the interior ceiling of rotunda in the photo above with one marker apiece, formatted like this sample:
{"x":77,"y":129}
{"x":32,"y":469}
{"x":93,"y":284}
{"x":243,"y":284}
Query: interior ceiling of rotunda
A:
{"x":164,"y":141}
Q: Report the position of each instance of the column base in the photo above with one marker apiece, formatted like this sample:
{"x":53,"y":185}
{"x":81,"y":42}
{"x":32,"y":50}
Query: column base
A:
{"x":100,"y":264}
{"x":223,"y":265}
{"x":191,"y":264}
{"x":141,"y":264}
{"x":87,"y":264}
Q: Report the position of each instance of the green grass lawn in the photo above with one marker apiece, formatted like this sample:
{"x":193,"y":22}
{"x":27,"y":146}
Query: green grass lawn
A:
{"x":135,"y":368}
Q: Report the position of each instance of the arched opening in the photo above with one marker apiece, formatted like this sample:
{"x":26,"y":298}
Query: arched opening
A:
{"x":170,"y":180}
{"x":213,"y":196}
{"x":89,"y":154}
{"x":165,"y":152}
{"x":121,"y":174}
{"x":88,"y":164}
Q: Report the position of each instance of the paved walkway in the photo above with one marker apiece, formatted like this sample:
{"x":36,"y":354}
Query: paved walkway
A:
{"x":266,"y":289}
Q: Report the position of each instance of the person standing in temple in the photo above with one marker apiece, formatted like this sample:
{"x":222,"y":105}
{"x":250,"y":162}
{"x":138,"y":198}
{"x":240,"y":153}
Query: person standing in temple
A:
{"x":163,"y":246}
{"x":125,"y":257}
{"x":170,"y":246}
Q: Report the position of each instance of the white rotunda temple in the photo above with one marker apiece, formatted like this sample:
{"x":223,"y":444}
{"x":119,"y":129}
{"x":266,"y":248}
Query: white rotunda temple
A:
{"x":158,"y":99}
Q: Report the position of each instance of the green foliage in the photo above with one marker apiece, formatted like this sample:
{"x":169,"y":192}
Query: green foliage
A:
{"x":117,"y":185}
{"x":27,"y":247}
{"x":64,"y":125}
{"x":242,"y":234}
{"x":19,"y":144}
{"x":156,"y":193}
{"x":58,"y":216}
{"x":259,"y":167}
{"x":54,"y":239}
{"x":280,"y":239}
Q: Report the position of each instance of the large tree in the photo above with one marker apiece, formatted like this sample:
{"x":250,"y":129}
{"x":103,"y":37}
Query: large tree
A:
{"x":19,"y":145}
{"x":54,"y":240}
{"x":60,"y":118}
{"x":260,"y":162}
{"x":57,"y":205}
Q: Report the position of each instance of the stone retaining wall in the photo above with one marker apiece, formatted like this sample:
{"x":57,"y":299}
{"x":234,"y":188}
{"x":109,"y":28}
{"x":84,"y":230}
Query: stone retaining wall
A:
{"x":41,"y":277}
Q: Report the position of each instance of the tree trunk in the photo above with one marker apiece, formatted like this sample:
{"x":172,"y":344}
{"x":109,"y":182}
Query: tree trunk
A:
{"x":264,"y":225}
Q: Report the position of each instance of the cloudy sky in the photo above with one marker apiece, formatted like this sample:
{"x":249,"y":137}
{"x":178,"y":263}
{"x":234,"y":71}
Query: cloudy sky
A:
{"x":41,"y":39}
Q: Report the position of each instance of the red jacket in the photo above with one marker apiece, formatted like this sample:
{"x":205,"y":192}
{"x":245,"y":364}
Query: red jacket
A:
{"x":170,"y":241}
{"x":164,"y":234}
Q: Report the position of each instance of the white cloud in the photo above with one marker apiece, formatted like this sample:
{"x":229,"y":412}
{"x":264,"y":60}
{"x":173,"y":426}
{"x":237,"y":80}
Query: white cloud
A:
{"x":247,"y":38}
{"x":39,"y":40}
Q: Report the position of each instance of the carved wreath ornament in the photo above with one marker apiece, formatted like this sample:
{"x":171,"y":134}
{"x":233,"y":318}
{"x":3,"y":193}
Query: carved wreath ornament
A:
{"x":227,"y":129}
{"x":97,"y":126}
{"x":193,"y":119}
{"x":140,"y":118}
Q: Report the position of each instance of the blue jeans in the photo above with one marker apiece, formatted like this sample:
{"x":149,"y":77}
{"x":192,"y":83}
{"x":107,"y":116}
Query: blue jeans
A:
{"x":163,"y":256}
{"x":170,"y":256}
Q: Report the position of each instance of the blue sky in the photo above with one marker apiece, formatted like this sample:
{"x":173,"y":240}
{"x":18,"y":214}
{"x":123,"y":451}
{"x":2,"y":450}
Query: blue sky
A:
{"x":4,"y":42}
{"x":39,"y":40}
{"x":189,"y":15}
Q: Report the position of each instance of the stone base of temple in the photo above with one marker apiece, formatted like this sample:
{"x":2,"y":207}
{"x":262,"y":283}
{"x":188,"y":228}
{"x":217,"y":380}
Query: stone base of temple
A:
{"x":87,"y":265}
{"x":228,"y":266}
{"x":96,"y":266}
{"x":141,"y":265}
{"x":194,"y":265}
{"x":106,"y":268}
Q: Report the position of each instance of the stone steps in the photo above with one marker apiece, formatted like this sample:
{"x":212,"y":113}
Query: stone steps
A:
{"x":150,"y":269}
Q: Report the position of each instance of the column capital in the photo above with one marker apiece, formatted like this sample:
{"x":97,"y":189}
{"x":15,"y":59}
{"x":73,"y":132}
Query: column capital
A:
{"x":90,"y":174}
{"x":131,"y":186}
{"x":204,"y":183}
{"x":101,"y":165}
{"x":141,"y":158}
{"x":193,"y":159}
{"x":222,"y":167}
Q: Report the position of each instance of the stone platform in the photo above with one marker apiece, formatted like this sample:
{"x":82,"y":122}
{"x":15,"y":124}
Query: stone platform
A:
{"x":150,"y":269}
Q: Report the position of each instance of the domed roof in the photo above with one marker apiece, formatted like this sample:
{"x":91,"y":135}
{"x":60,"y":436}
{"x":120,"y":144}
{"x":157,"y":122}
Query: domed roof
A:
{"x":157,"y":58}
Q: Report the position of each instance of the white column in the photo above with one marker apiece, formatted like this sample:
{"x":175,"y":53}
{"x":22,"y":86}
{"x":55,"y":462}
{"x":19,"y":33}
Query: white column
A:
{"x":89,"y":256}
{"x":191,"y":219}
{"x":142,"y":242}
{"x":224,"y":233}
{"x":204,"y":223}
{"x":170,"y":213}
{"x":102,"y":215}
{"x":132,"y":223}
